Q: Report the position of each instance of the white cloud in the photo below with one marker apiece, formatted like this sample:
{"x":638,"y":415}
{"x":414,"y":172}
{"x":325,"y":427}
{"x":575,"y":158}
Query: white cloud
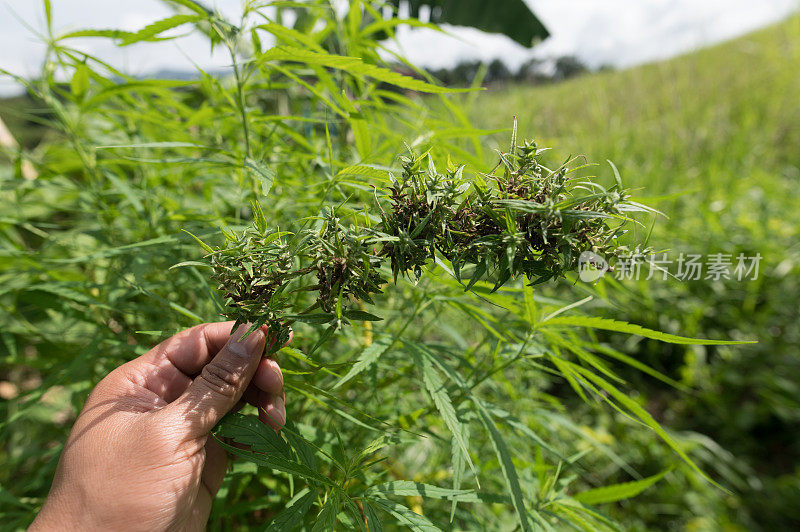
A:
{"x":21,"y":51}
{"x":615,"y":32}
{"x":628,"y":32}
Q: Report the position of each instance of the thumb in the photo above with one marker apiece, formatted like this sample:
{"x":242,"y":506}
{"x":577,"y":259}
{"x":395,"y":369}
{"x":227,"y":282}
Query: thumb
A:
{"x":221,"y":383}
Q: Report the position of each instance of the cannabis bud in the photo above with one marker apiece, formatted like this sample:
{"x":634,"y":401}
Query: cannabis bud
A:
{"x":520,"y":219}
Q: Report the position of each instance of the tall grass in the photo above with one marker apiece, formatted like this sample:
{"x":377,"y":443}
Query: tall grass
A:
{"x":456,"y":411}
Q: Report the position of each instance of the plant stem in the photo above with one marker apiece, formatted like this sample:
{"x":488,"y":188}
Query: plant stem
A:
{"x":237,"y":74}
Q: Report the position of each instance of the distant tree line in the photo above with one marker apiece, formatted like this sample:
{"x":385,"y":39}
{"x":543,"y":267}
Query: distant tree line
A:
{"x":534,"y":71}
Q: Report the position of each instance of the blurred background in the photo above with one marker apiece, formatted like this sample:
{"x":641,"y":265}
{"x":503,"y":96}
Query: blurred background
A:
{"x":697,"y":103}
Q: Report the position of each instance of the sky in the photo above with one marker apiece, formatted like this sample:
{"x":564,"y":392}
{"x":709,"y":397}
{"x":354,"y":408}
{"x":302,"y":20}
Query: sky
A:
{"x":618,"y":33}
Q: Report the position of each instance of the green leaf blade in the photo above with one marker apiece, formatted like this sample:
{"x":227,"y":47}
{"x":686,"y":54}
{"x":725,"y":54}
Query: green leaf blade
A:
{"x":618,"y":492}
{"x":629,"y":328}
{"x":352,"y":65}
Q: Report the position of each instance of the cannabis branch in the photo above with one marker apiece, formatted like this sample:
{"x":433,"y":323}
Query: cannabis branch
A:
{"x":520,"y":219}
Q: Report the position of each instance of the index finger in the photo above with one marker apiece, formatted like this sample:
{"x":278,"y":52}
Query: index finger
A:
{"x":168,"y":368}
{"x":191,"y":349}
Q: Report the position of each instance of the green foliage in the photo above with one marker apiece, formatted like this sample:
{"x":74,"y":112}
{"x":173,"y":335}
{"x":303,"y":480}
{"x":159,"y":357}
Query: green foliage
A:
{"x":531,"y":221}
{"x":629,"y":328}
{"x":713,"y":146}
{"x":476,"y":409}
{"x":351,"y":65}
{"x":617,"y":492}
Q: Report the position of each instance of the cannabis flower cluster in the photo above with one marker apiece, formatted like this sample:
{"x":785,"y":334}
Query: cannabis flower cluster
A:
{"x":521,"y":219}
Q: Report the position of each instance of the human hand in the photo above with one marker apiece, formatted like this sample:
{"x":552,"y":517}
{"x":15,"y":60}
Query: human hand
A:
{"x":139,"y":456}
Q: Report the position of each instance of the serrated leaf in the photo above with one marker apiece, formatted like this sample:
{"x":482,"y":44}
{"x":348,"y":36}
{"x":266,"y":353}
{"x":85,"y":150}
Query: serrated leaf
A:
{"x":326,"y":519}
{"x":367,"y":357}
{"x":305,"y":452}
{"x":405,"y":516}
{"x":436,"y":389}
{"x":316,"y":318}
{"x":360,"y":315}
{"x":111,"y":34}
{"x":501,"y":448}
{"x":266,"y":448}
{"x":292,"y":516}
{"x":373,"y":521}
{"x":644,"y":368}
{"x":279,"y":464}
{"x":205,"y":246}
{"x":480,"y":269}
{"x":324,"y":337}
{"x":459,"y":461}
{"x":352,"y":517}
{"x":643,"y":415}
{"x":618,"y":492}
{"x":264,"y":174}
{"x":521,"y":427}
{"x":365,"y":171}
{"x":249,"y":431}
{"x":407,"y":488}
{"x":151,"y":31}
{"x":629,"y":328}
{"x":617,"y":177}
{"x":530,"y":304}
{"x":506,"y":466}
{"x":374,"y":446}
{"x":190,"y":263}
{"x":351,"y":65}
{"x":282,"y":33}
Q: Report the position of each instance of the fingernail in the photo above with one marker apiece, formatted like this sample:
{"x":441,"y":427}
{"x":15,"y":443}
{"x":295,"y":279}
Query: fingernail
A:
{"x":279,"y":410}
{"x":250,"y":346}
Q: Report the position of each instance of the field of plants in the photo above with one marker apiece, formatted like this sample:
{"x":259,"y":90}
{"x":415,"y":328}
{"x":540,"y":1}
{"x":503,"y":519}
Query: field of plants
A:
{"x":449,"y":369}
{"x":711,"y":138}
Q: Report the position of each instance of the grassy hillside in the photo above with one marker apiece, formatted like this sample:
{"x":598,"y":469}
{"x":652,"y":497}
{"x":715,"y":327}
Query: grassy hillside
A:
{"x":716,"y":133}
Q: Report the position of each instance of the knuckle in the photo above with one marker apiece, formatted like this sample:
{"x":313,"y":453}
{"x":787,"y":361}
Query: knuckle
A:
{"x":221,"y":379}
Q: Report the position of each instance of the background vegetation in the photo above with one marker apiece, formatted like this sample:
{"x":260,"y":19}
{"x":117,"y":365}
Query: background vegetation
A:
{"x":507,"y":402}
{"x":713,"y":134}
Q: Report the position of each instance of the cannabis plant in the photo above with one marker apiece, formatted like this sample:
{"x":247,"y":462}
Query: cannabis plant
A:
{"x":522,"y":219}
{"x":457,"y":410}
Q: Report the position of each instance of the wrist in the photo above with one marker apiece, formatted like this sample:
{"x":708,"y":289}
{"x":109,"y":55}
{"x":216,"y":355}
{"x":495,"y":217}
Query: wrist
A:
{"x":59,"y":515}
